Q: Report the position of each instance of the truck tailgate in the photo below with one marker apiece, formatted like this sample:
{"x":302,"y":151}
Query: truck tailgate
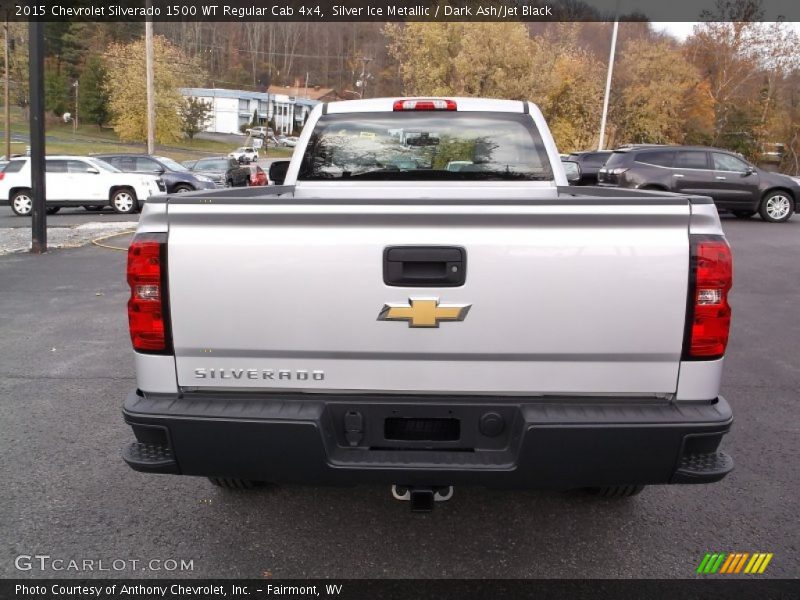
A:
{"x":566,"y":297}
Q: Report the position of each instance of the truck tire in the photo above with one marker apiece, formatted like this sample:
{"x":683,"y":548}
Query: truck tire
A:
{"x":232,"y":483}
{"x":124,"y":201}
{"x":776,"y":207}
{"x":616,"y":491}
{"x":22,"y":203}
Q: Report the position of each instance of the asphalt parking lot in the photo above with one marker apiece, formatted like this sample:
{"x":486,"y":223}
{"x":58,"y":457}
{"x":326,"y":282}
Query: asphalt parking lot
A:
{"x":65,"y":367}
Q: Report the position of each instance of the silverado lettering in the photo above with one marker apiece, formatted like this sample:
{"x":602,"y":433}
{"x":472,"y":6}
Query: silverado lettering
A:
{"x":281,"y":374}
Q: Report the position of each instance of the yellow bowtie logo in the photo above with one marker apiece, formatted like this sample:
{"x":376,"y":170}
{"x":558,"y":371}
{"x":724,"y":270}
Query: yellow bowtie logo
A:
{"x":424,"y":312}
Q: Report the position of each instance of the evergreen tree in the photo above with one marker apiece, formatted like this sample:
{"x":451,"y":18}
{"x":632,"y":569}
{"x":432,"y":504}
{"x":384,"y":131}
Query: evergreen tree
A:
{"x":194,"y":116}
{"x":56,"y":92}
{"x":93,"y":97}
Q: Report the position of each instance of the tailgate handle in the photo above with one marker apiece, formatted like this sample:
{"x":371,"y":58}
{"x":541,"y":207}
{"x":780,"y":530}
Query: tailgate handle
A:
{"x":424,"y":266}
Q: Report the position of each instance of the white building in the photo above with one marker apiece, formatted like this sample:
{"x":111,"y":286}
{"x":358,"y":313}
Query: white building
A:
{"x":231,"y":109}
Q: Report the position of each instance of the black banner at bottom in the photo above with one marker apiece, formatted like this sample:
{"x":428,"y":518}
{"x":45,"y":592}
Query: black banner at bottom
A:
{"x":390,"y":589}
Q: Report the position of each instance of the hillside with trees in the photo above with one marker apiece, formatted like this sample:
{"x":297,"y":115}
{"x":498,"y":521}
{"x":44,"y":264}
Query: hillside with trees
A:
{"x":729,"y":84}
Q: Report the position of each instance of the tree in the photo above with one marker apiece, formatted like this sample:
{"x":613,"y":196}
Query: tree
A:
{"x":18,"y":63}
{"x":125,"y":85}
{"x":194,"y":116}
{"x":56,"y":92}
{"x":494,"y":60}
{"x":655,"y":109}
{"x":500,"y":60}
{"x":469,"y":59}
{"x":93,"y":96}
{"x":426,"y":54}
{"x":254,"y":120}
{"x":571,"y":100}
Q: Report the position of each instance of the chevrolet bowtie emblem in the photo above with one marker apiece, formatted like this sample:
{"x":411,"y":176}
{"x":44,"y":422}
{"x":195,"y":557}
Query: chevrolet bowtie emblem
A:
{"x":424,"y":312}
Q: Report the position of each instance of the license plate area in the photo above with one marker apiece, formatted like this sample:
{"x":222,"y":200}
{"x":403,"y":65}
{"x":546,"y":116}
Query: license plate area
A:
{"x":421,"y":425}
{"x":421,"y":430}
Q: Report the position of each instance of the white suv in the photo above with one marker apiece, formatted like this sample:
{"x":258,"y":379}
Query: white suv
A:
{"x":260,"y":132}
{"x":247,"y":154}
{"x":77,"y":181}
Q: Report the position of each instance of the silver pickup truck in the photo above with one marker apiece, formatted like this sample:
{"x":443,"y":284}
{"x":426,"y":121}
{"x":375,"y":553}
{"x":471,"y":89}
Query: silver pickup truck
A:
{"x":425,"y":302}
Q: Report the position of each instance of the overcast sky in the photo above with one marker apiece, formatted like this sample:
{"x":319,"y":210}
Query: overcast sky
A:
{"x":683,"y":30}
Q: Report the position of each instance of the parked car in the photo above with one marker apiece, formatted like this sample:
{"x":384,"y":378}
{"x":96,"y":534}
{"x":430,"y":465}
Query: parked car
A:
{"x":177,"y":177}
{"x":226,"y":172}
{"x":260,"y":132}
{"x":77,"y":181}
{"x":590,"y":163}
{"x":286,"y":141}
{"x":734,"y":184}
{"x":246,"y":154}
{"x":188,"y":163}
{"x":256,"y":175}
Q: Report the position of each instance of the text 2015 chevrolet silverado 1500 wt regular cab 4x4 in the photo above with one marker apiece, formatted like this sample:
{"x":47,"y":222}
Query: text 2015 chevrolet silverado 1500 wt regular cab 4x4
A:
{"x":425,"y":302}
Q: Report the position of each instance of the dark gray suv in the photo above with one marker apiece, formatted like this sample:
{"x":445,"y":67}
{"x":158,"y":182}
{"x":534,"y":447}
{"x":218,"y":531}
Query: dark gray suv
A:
{"x":733,"y":183}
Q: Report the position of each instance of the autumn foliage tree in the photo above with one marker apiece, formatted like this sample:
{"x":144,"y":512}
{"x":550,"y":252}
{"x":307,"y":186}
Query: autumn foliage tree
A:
{"x":500,"y":60}
{"x":659,"y":92}
{"x":465,"y":59}
{"x":125,"y":84}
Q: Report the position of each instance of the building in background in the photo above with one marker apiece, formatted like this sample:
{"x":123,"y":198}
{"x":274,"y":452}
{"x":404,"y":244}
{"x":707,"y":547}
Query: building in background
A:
{"x":231,"y":110}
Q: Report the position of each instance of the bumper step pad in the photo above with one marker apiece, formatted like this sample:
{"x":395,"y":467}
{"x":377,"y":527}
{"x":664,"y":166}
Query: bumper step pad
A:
{"x":150,"y":458}
{"x":703,"y":468}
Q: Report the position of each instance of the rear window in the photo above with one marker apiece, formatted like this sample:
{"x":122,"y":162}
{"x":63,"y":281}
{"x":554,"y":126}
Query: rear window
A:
{"x":426,"y":146}
{"x":618,"y":159}
{"x":596,"y":159}
{"x":221,"y":164}
{"x":659,"y":158}
{"x":15,"y":166}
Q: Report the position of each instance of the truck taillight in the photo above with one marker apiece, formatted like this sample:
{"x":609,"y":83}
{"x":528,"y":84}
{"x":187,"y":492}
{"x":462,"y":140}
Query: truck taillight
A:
{"x":424,"y":105}
{"x":147,"y":308}
{"x":708,"y":318}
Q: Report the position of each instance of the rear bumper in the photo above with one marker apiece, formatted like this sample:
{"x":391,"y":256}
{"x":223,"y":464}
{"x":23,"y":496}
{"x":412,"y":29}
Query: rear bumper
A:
{"x":529,"y":443}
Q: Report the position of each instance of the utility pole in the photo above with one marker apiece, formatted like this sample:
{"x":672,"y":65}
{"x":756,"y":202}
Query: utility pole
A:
{"x":36,"y":79}
{"x":362,"y":83}
{"x":601,"y":142}
{"x":76,"y":85}
{"x":151,"y":92}
{"x":7,"y":93}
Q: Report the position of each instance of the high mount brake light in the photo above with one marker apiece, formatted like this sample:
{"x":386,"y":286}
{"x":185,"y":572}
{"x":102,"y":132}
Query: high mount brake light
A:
{"x":147,"y":308}
{"x":708,"y":317}
{"x":400,"y":105}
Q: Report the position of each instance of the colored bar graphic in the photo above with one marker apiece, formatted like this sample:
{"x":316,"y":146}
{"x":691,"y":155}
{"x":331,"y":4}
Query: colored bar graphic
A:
{"x":734,"y":563}
{"x":754,"y":563}
{"x":765,"y":563}
{"x":727,"y":564}
{"x":740,"y":564}
{"x":703,"y":563}
{"x":710,"y":564}
{"x":718,"y":564}
{"x":736,"y":557}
